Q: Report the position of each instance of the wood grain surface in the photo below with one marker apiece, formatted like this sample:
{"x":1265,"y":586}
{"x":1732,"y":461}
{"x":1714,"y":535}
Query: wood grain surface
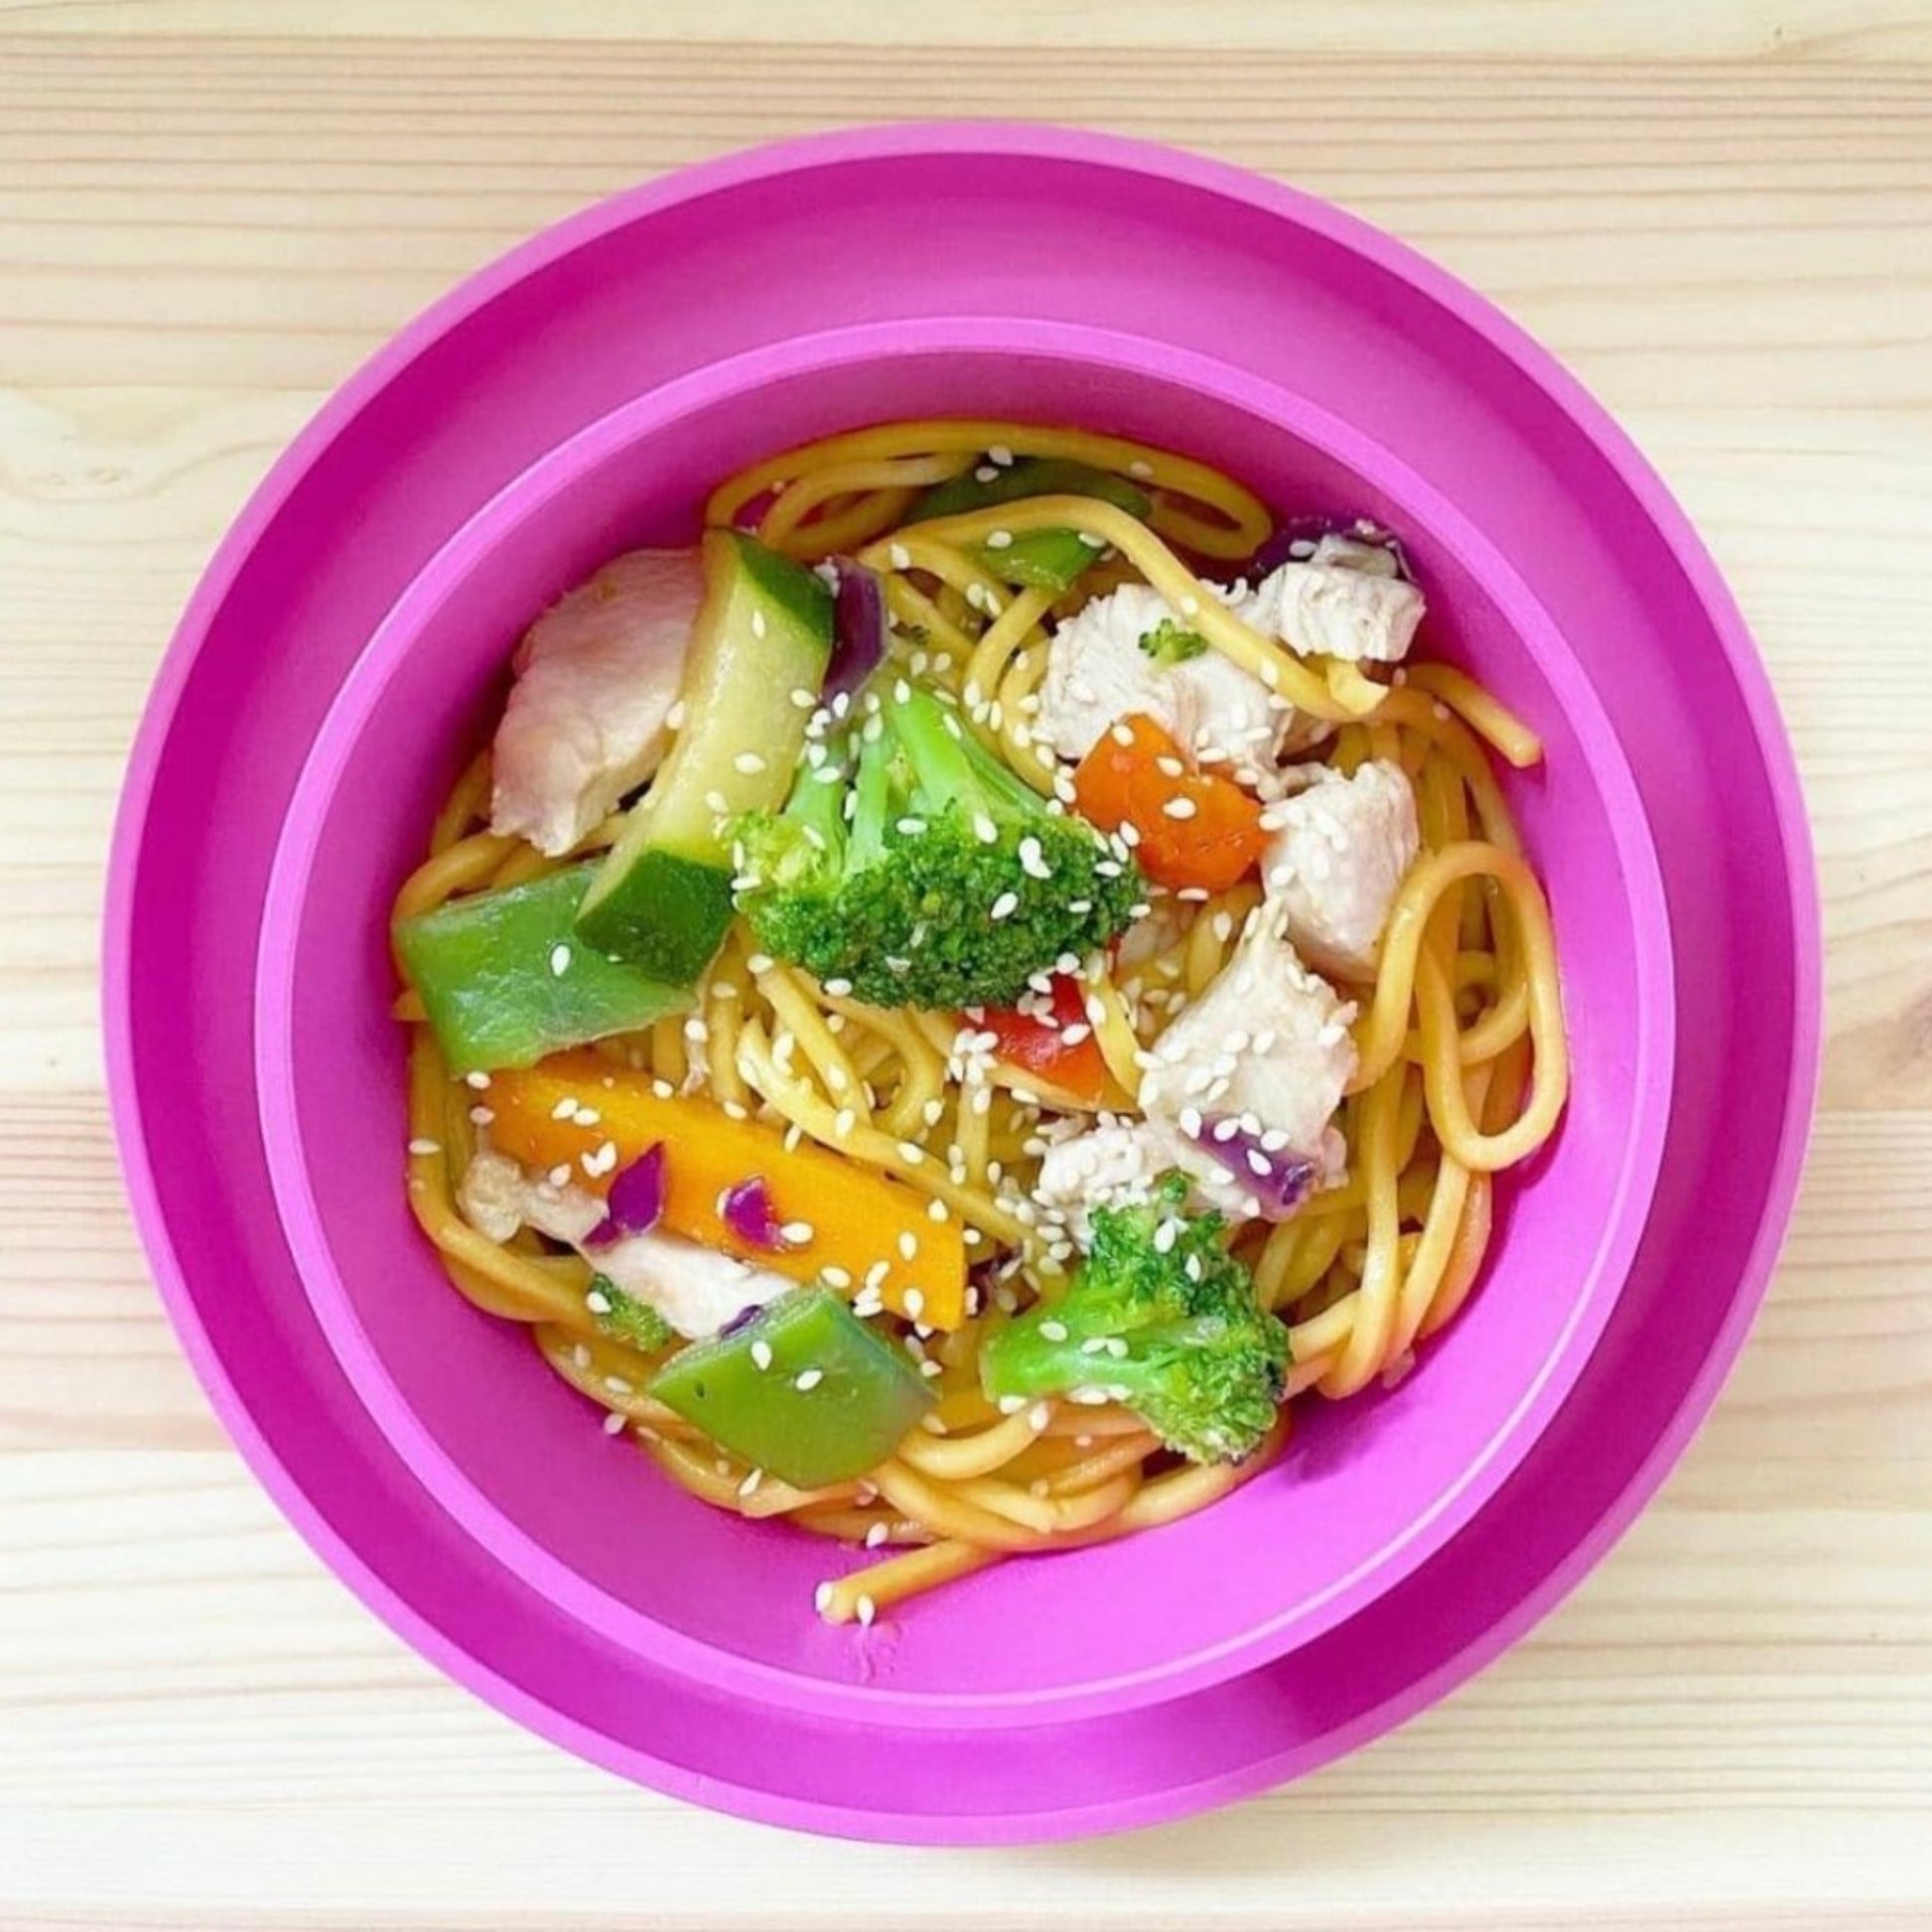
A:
{"x":1720,"y":215}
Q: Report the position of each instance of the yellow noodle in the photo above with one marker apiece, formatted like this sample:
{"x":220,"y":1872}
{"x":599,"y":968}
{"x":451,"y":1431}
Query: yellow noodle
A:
{"x":1461,"y":1071}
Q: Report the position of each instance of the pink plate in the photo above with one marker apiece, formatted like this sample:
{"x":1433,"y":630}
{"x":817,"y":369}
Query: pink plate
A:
{"x":757,"y":251}
{"x":1365,"y":1493}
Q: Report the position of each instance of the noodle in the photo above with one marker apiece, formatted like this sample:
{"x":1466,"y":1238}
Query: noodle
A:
{"x":1461,"y":1066}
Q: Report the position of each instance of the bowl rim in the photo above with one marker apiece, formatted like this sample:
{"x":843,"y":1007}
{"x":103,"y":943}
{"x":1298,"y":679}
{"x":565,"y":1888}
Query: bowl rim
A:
{"x":900,"y":142}
{"x":631,"y":428}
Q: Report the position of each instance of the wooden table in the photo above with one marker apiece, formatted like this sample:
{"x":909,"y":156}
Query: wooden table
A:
{"x":1720,"y":213}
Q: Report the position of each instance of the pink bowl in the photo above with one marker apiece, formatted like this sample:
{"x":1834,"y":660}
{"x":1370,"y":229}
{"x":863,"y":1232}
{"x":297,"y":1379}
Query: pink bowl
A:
{"x":781,"y":244}
{"x":1365,"y":1493}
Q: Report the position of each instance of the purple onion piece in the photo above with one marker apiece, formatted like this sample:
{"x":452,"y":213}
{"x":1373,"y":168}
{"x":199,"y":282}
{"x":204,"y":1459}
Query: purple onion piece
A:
{"x":747,"y":1211}
{"x":636,"y":1198}
{"x":742,"y":1319}
{"x":858,"y":628}
{"x":1300,"y":534}
{"x":1280,"y":1179}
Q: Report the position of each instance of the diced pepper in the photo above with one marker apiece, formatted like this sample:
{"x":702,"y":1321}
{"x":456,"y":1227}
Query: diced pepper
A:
{"x":804,"y":1391}
{"x":505,"y":977}
{"x":1041,"y":1047}
{"x":1196,"y":827}
{"x":842,"y":1217}
{"x":1045,"y":560}
{"x":1045,"y":475}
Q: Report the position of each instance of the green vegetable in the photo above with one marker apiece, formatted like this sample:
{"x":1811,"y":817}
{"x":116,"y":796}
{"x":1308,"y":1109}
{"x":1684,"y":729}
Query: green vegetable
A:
{"x":1040,"y":476}
{"x":628,"y":1320}
{"x":804,"y":1391}
{"x":1169,"y":643}
{"x":1172,"y":1331}
{"x":505,"y":978}
{"x":1045,"y":560}
{"x":663,"y":898}
{"x":951,"y":883}
{"x":1049,"y":560}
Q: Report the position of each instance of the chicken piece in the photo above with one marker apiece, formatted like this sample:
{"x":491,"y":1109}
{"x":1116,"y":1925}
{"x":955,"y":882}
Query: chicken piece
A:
{"x":1337,"y":861}
{"x":587,"y":716}
{"x":1098,"y":671}
{"x":497,"y":1197}
{"x":1266,"y":1042}
{"x":1118,"y":1163}
{"x":1345,"y":602}
{"x":695,"y":1289}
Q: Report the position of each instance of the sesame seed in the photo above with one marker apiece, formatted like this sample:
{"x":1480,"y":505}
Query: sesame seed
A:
{"x":1011,"y":1405}
{"x":937,"y":1210}
{"x":822,"y":1599}
{"x":674,"y":718}
{"x":876,"y":1275}
{"x":560,"y":1175}
{"x":614,"y":1422}
{"x":999,"y":540}
{"x":912,"y":1153}
{"x":597,"y":1301}
{"x":1005,"y":907}
{"x":420,"y":1145}
{"x":1053,"y":1331}
{"x":1180,"y":808}
{"x":833,"y":1276}
{"x":1190,"y":606}
{"x":914,"y":1301}
{"x":797,"y":1234}
{"x":478,"y":1079}
{"x":482,"y":1116}
{"x":1140,"y":467}
{"x":565,"y":1109}
{"x":559,"y":960}
{"x":877,"y":1535}
{"x":985,"y":472}
{"x":759,"y":962}
{"x":839,"y":989}
{"x":748,"y":763}
{"x":1092,"y":541}
{"x":803,"y":699}
{"x":1000,"y":454}
{"x":899,"y":557}
{"x":866,"y":1610}
{"x":715,"y":801}
{"x":844,"y":1122}
{"x":1122,"y":736}
{"x":808,"y":1379}
{"x":761,"y":1354}
{"x":759,"y":626}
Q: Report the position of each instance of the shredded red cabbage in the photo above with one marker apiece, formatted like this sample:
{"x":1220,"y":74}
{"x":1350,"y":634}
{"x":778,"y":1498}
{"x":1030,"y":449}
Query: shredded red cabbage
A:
{"x":747,"y":1211}
{"x":635,"y":1200}
{"x":858,"y":628}
{"x":1280,"y":1179}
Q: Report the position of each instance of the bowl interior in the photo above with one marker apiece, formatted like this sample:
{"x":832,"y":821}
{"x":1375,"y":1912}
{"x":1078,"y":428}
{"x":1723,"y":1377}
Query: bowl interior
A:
{"x":1367,"y":1491}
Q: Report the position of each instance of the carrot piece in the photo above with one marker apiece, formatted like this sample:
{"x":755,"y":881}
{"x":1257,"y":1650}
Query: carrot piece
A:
{"x":1213,"y":836}
{"x":1039,"y":1046}
{"x":862,"y":1222}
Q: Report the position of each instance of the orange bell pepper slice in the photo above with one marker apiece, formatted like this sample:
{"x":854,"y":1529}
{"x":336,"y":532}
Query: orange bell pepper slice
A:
{"x":862,"y":1225}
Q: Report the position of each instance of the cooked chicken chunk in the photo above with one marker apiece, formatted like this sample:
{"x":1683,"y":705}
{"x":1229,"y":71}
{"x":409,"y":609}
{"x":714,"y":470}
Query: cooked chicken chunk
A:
{"x":1337,"y":862}
{"x":1119,"y":1163}
{"x":1344,"y":603}
{"x":695,"y":1289}
{"x":497,"y":1197}
{"x":1268,"y":1041}
{"x":596,"y":676}
{"x":1098,"y":671}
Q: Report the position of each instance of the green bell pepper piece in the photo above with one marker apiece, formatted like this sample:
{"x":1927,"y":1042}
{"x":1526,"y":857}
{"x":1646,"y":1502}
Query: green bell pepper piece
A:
{"x":1033,"y":476}
{"x":506,"y":978}
{"x":804,"y":1391}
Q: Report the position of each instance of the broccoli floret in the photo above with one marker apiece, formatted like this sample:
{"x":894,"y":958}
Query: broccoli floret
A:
{"x":913,"y":865}
{"x":1169,"y":643}
{"x":1162,"y":1318}
{"x":623,"y":1318}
